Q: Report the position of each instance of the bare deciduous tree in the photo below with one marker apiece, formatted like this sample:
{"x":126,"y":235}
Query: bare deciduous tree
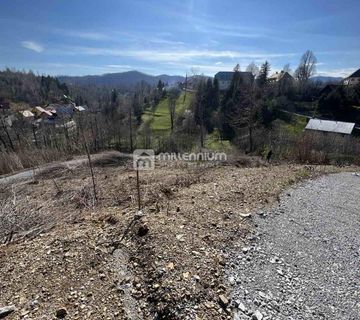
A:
{"x":306,"y":68}
{"x":253,"y":68}
{"x":287,"y":68}
{"x":245,"y":113}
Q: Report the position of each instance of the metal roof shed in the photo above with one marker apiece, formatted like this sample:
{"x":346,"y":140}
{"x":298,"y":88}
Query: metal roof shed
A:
{"x":330,"y":126}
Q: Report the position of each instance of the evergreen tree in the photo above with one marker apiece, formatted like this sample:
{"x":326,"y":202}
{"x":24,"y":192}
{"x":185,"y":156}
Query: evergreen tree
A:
{"x":263,"y":74}
{"x":336,"y":105}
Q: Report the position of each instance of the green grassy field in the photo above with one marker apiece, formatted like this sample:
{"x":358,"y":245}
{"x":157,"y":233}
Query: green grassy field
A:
{"x":214,"y":142}
{"x":297,"y":125}
{"x":160,"y":118}
{"x":294,"y":126}
{"x":160,"y":122}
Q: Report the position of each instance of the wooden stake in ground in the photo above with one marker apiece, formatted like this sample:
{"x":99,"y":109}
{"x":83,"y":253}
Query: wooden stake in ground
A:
{"x":57,"y":187}
{"x":139,"y":214}
{"x":138,"y":186}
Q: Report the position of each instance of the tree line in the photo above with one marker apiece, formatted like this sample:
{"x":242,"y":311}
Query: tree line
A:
{"x":244,"y":114}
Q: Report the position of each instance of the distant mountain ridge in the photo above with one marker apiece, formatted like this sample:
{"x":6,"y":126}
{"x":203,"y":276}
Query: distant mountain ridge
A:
{"x":131,"y":78}
{"x":325,"y":79}
{"x":123,"y":79}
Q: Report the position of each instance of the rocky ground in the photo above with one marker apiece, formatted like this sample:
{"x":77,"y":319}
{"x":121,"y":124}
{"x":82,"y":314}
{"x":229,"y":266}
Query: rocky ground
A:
{"x":302,"y":259}
{"x":64,"y":255}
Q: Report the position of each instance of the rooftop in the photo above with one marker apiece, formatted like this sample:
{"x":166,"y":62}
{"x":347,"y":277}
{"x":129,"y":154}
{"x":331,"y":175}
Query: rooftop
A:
{"x":356,"y":74}
{"x":330,"y":126}
{"x":227,"y":75}
{"x":277,"y":76}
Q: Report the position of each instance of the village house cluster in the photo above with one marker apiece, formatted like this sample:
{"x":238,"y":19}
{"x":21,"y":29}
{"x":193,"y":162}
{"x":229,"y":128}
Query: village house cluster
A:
{"x":43,"y":125}
{"x":58,"y":115}
{"x":282,"y":79}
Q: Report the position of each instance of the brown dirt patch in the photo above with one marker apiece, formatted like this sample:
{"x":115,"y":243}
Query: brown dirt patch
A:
{"x":192,"y":213}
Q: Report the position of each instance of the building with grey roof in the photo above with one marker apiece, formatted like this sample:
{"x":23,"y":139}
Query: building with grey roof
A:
{"x":225,"y":77}
{"x":282,"y":82}
{"x":330,"y":126}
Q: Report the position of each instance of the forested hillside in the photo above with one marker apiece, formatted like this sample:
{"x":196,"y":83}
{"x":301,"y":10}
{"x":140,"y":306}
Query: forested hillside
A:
{"x":16,"y":86}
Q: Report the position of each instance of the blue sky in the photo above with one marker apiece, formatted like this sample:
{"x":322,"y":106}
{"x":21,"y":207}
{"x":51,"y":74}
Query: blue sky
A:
{"x":81,"y":37}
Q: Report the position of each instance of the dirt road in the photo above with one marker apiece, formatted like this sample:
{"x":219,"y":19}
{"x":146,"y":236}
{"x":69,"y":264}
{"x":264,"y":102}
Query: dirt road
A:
{"x":31,"y":173}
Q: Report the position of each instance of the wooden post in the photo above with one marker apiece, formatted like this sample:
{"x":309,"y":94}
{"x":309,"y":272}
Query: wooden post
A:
{"x":138,"y":185}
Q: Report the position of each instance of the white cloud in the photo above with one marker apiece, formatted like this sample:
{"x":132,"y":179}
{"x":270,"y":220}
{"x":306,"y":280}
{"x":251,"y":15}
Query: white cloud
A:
{"x":119,"y":66}
{"x":165,"y":42}
{"x":206,"y":69}
{"x":87,"y":35}
{"x":32,"y":45}
{"x":172,"y":55}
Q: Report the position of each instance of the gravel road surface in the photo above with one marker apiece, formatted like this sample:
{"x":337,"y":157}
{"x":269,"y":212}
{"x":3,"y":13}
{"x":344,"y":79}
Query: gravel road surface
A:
{"x":303,"y":259}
